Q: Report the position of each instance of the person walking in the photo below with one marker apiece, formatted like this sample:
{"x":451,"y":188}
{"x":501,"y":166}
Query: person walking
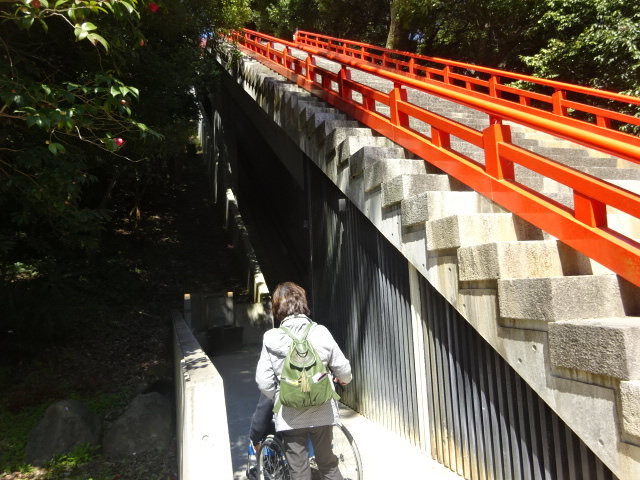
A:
{"x":298,"y":425}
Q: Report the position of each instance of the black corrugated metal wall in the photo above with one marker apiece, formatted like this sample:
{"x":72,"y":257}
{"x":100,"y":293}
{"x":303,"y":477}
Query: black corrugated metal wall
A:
{"x":360,"y":290}
{"x":480,"y":418}
{"x":485,"y":421}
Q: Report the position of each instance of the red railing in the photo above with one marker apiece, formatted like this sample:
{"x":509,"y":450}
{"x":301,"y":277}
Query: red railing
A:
{"x":494,"y":85}
{"x":584,"y":227}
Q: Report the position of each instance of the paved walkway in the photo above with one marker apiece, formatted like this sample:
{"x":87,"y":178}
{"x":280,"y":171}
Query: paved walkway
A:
{"x":384,"y":454}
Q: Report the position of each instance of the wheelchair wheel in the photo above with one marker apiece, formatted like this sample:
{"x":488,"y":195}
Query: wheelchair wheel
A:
{"x":272,"y":464}
{"x":345,"y":448}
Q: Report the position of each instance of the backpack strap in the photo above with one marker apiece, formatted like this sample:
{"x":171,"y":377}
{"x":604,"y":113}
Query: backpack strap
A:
{"x":305,"y":332}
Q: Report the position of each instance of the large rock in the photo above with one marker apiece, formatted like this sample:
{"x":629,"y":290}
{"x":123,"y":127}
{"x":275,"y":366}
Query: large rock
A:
{"x":65,"y":425}
{"x":146,"y":425}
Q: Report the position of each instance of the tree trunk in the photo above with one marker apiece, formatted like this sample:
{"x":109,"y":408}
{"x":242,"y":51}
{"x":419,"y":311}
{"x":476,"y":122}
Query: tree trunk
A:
{"x":394,"y":39}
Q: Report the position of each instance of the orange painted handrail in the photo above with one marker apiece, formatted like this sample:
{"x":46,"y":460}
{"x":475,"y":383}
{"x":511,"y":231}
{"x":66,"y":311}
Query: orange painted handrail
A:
{"x":584,"y":227}
{"x":441,"y":70}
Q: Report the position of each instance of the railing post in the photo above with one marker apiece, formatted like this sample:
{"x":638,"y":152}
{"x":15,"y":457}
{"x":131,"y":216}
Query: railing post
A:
{"x":589,"y":211}
{"x":309,"y":63}
{"x":445,"y":73}
{"x":411,"y":65}
{"x":369,"y":103}
{"x":343,"y":90}
{"x":440,"y":139}
{"x":286,"y":53}
{"x":604,"y":122}
{"x":326,"y":83}
{"x":493,"y":91}
{"x":495,"y":166}
{"x":557,"y":100}
{"x":398,"y":94}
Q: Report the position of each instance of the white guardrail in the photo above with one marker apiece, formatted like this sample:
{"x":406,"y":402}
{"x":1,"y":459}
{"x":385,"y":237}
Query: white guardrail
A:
{"x":203,"y":448}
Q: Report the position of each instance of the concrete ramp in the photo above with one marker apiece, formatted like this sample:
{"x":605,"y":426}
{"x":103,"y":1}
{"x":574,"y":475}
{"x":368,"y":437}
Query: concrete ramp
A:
{"x":384,"y":454}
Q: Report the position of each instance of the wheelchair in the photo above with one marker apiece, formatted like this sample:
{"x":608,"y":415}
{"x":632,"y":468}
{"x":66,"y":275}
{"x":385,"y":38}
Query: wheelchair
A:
{"x":272,"y":464}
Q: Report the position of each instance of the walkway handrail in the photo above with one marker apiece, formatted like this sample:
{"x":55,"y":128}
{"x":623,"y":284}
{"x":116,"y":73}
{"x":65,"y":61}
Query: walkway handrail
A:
{"x":584,"y":227}
{"x":494,"y":86}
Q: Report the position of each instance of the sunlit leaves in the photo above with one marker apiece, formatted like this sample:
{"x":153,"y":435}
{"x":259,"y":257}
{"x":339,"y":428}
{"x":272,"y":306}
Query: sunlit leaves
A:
{"x":56,"y":148}
{"x":596,"y":43}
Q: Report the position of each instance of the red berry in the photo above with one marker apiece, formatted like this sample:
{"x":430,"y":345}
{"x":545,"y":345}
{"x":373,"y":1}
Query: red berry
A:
{"x":153,"y":7}
{"x":36,"y":4}
{"x":119,"y":141}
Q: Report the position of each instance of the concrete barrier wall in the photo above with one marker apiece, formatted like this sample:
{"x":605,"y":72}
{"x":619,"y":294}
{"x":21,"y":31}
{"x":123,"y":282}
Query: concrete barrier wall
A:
{"x":256,"y":285}
{"x":201,"y":416}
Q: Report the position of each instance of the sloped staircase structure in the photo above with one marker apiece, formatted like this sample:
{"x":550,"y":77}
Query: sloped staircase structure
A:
{"x":568,"y":325}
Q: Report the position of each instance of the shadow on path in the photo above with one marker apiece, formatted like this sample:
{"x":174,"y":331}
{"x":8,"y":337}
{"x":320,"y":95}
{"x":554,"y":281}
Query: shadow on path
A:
{"x":238,"y":371}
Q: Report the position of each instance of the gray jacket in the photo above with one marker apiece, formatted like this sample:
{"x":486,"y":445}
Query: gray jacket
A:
{"x":275,"y":347}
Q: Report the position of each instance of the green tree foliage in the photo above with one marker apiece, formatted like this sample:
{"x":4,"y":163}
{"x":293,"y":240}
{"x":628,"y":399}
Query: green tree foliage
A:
{"x":591,"y":42}
{"x":79,"y":83}
{"x":94,"y":95}
{"x":492,"y":33}
{"x":588,"y":42}
{"x":356,"y":20}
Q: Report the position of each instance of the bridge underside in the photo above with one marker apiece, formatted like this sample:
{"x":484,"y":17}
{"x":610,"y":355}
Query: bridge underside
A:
{"x":440,"y":356}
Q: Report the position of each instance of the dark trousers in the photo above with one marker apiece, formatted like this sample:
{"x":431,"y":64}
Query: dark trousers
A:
{"x":296,"y":448}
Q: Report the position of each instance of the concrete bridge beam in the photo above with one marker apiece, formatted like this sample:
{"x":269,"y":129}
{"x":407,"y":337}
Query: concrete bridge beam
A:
{"x":473,"y":252}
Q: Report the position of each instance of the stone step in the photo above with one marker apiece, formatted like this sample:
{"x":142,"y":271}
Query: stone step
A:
{"x":326,"y":125}
{"x":384,"y":170}
{"x":524,"y":259}
{"x":574,"y":157}
{"x":335,"y":137}
{"x":524,"y":300}
{"x":515,"y":259}
{"x":355,"y":143}
{"x":319,"y":127}
{"x":294,"y":100}
{"x":614,"y":173}
{"x":291,"y":105}
{"x":458,"y":231}
{"x":523,"y":142}
{"x":369,"y":155}
{"x":433,"y":205}
{"x":539,"y":183}
{"x":602,"y":346}
{"x":468,"y":150}
{"x":625,"y":224}
{"x":312,"y":116}
{"x":629,"y":395}
{"x":404,"y":187}
{"x":631,"y":185}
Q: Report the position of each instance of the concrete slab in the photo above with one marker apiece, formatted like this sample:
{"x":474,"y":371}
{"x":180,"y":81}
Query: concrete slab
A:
{"x":384,"y":454}
{"x":238,"y":370}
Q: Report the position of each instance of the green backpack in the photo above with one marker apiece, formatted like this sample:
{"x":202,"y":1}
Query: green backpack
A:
{"x":304,"y":381}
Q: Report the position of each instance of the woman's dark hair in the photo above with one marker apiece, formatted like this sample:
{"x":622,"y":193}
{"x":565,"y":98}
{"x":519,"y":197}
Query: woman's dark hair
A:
{"x":289,"y":299}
